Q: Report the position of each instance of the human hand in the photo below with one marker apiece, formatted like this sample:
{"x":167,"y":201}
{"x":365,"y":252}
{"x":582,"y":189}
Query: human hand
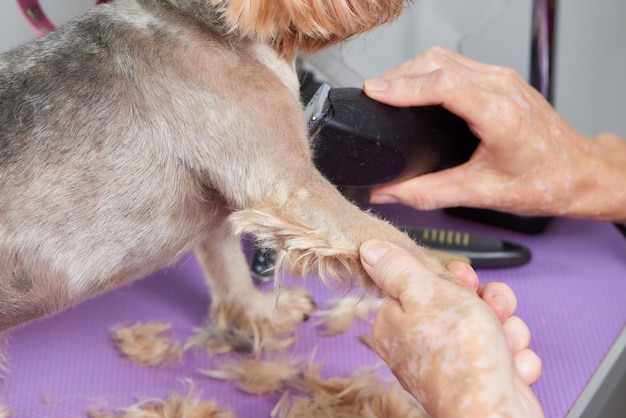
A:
{"x":529,"y":160}
{"x":444,"y":344}
{"x":502,"y":300}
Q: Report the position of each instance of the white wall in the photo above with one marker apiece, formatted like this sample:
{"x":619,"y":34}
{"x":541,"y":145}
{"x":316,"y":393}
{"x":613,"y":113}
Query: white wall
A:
{"x":591,"y":51}
{"x":591,"y":65}
{"x":496,"y":31}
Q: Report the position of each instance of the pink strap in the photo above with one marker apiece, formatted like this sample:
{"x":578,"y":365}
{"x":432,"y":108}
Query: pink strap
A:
{"x":32,"y":11}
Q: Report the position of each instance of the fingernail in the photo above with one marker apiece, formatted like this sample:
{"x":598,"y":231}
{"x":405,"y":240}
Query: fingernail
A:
{"x":376,"y":84}
{"x":372,"y":251}
{"x":383,"y":199}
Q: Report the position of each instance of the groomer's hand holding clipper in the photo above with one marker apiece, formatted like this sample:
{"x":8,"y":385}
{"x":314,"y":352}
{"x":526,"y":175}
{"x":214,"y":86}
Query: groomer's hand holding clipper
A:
{"x":529,"y":160}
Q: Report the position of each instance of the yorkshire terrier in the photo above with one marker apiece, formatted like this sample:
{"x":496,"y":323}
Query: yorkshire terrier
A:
{"x":148,"y":128}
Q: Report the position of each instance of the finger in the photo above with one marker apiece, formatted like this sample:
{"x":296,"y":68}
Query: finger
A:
{"x":517,"y":333}
{"x":500,"y":297}
{"x":528,"y":365}
{"x":392,"y":269}
{"x":481,"y":108}
{"x":465,"y":273}
{"x":446,"y":188}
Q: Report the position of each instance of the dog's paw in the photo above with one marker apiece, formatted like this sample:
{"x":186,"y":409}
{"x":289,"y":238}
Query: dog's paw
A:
{"x":264,"y":322}
{"x":291,"y":307}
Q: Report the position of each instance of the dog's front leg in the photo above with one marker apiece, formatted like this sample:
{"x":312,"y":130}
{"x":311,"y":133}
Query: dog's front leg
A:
{"x":242,"y":317}
{"x":315,"y":229}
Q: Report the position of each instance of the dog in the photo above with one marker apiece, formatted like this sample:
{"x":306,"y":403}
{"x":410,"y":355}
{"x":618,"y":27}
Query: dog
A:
{"x":145,"y":129}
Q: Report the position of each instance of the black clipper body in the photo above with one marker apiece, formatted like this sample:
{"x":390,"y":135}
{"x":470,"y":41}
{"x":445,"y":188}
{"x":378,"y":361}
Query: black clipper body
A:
{"x":360,"y":142}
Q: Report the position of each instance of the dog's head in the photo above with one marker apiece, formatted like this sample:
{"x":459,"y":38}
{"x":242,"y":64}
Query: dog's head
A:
{"x":305,"y":25}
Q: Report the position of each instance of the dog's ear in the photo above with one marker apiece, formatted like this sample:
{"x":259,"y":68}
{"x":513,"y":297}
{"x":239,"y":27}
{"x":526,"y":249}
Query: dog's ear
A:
{"x":305,"y":25}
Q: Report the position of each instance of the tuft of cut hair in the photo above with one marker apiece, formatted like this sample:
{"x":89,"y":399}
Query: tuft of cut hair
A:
{"x":356,"y":396}
{"x":257,"y":376}
{"x":146,"y":344}
{"x":175,"y":406}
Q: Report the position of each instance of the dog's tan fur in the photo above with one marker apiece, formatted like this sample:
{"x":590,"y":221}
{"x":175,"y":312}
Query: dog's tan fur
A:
{"x":148,"y":128}
{"x":305,"y":25}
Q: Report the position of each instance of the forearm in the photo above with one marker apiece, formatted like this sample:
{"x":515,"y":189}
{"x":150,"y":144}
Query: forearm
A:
{"x":600,"y":189}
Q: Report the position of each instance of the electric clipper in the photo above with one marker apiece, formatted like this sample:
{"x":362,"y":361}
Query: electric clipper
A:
{"x":359,"y":142}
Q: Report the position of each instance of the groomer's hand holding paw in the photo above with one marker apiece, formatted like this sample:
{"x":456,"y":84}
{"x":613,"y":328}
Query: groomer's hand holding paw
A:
{"x":529,"y":160}
{"x":445,"y":345}
{"x":502,"y":300}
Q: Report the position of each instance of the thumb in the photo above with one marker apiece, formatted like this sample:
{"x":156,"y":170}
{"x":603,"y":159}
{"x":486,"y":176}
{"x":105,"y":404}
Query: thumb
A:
{"x":429,"y":191}
{"x":392,"y":269}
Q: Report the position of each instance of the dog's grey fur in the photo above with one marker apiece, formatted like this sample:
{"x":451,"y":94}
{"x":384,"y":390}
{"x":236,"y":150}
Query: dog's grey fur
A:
{"x":146,"y":129}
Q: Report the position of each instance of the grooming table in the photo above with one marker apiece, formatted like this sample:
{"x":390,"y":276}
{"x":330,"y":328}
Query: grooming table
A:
{"x":572,"y":295}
